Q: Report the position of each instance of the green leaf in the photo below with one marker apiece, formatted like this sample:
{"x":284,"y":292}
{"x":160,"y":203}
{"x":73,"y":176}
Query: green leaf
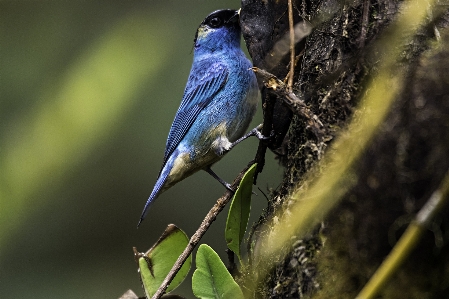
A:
{"x":211,"y":279}
{"x":155,"y":264}
{"x":239,"y":212}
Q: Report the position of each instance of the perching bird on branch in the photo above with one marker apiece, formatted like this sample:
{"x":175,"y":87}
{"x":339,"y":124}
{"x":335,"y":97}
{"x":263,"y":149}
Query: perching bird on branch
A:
{"x":219,"y":102}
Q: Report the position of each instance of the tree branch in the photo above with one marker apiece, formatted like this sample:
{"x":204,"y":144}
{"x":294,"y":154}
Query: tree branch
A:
{"x":295,"y":104}
{"x":194,"y":240}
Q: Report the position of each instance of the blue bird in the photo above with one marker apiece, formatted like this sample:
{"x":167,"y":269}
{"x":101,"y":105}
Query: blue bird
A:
{"x":219,"y":102}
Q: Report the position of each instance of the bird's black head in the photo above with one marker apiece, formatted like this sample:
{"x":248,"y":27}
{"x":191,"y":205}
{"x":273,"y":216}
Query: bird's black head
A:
{"x":223,"y":23}
{"x":220,"y":18}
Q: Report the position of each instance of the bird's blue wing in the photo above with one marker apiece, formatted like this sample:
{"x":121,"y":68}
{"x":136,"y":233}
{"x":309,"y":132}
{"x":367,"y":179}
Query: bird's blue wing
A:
{"x":205,"y":81}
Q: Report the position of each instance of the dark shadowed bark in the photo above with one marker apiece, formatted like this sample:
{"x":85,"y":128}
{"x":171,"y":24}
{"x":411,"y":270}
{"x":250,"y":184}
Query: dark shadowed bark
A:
{"x":397,"y":173}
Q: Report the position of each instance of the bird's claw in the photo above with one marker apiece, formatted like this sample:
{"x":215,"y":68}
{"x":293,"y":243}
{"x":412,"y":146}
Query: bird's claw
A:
{"x":256,"y":131}
{"x":229,"y":187}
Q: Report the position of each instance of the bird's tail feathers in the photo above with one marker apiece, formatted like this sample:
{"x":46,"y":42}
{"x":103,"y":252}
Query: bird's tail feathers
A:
{"x":154,"y":194}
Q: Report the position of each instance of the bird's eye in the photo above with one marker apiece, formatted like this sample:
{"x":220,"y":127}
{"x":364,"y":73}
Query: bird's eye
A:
{"x":215,"y":22}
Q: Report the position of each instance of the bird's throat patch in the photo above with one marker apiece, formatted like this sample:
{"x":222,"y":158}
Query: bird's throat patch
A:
{"x":202,"y":32}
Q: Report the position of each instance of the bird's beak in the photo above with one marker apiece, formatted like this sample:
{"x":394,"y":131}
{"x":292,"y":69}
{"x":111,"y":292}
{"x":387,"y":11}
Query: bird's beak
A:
{"x":235,"y":18}
{"x":238,"y":11}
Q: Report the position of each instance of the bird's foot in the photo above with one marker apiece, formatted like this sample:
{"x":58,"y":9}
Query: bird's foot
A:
{"x":223,"y":182}
{"x":256,"y":132}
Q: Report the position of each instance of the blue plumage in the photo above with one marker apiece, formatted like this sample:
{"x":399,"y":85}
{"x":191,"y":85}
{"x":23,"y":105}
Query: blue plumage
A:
{"x":219,"y":102}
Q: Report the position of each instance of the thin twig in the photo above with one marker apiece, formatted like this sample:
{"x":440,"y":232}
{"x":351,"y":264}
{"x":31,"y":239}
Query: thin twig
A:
{"x":408,"y":241}
{"x":210,"y":217}
{"x":296,"y":62}
{"x":268,"y":107}
{"x":365,"y":19}
{"x":291,"y":100}
{"x":292,"y":46}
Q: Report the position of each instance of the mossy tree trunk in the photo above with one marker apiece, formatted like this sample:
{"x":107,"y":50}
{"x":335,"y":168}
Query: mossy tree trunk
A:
{"x":397,"y":173}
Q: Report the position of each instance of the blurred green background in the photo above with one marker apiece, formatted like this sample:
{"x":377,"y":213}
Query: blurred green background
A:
{"x":88,"y":93}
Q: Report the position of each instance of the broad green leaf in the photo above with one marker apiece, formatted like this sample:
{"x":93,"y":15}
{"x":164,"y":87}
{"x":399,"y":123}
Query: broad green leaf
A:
{"x":155,"y":264}
{"x":211,"y":279}
{"x":239,"y":212}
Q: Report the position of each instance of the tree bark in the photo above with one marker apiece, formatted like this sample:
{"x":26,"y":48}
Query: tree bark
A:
{"x":397,"y":173}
